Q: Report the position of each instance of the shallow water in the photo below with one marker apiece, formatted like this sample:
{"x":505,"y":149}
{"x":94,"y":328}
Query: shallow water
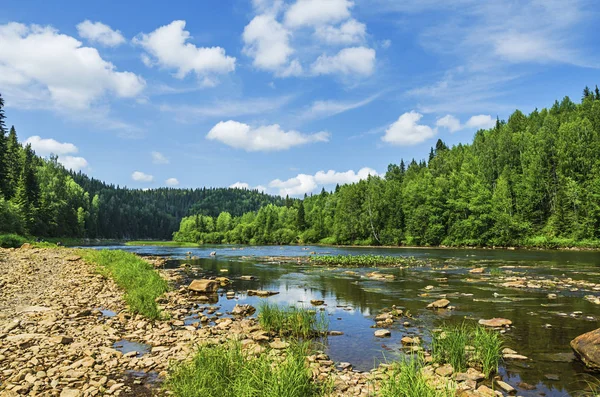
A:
{"x":542,"y":328}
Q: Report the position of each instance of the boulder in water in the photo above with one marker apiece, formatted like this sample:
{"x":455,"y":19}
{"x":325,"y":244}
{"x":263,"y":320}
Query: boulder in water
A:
{"x":587,"y":349}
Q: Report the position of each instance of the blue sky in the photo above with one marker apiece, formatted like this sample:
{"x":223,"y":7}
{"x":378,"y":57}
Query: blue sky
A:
{"x":288,"y":96}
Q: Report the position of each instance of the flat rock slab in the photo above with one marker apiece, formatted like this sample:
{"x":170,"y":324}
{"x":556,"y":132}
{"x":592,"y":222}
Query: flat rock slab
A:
{"x":439,"y":304}
{"x":496,"y":322}
{"x":262,"y":294}
{"x":382,"y":333}
{"x":204,"y":286}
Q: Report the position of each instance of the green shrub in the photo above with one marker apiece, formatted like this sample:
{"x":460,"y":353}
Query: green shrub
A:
{"x":142,"y":284}
{"x":225,"y":370}
{"x":11,"y":240}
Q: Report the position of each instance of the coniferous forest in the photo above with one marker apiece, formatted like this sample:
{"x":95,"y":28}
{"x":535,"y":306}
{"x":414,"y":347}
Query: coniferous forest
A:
{"x":39,"y":197}
{"x":533,"y":180}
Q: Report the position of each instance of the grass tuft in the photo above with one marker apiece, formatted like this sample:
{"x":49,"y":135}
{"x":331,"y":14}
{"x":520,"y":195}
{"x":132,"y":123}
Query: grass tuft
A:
{"x":12,"y":240}
{"x":292,"y":321}
{"x":142,"y":284}
{"x":406,"y":379}
{"x":463,"y":346}
{"x":225,"y":370}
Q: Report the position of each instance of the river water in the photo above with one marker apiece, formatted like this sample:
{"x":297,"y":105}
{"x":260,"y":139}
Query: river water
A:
{"x":542,"y":328}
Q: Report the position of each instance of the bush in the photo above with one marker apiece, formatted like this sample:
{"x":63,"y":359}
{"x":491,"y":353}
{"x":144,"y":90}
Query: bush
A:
{"x":225,"y":370}
{"x":142,"y":284}
{"x":11,"y":240}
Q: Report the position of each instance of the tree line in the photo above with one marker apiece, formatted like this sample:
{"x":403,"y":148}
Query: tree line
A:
{"x":533,"y":180}
{"x":39,"y":197}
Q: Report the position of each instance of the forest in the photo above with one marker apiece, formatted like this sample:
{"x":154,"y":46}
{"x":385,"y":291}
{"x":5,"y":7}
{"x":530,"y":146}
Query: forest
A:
{"x":39,"y":197}
{"x":533,"y":180}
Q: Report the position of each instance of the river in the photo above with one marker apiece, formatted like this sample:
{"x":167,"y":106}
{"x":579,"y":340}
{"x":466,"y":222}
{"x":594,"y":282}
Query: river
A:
{"x":542,"y":327}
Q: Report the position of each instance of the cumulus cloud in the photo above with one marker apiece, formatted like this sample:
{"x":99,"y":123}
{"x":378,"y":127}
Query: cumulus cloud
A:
{"x":64,"y":75}
{"x":139,"y":176}
{"x":167,"y":47}
{"x":97,"y":32}
{"x":159,"y":158}
{"x":262,"y":138}
{"x":317,"y":12}
{"x":353,"y":60}
{"x":246,"y":186}
{"x":172,"y":182}
{"x":450,"y":122}
{"x":481,"y":121}
{"x":407,"y":131}
{"x":267,"y":42}
{"x":47,"y":146}
{"x":304,"y":183}
{"x":73,"y":163}
{"x":453,"y":124}
{"x":350,"y":32}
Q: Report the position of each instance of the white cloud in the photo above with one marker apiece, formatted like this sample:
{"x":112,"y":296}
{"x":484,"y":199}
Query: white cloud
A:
{"x":406,"y":131}
{"x":97,"y":32}
{"x":172,"y":182}
{"x":228,"y":108}
{"x":73,"y":163}
{"x":350,"y":32}
{"x":45,"y":147}
{"x":159,"y":158}
{"x":317,"y":12}
{"x":263,"y":138}
{"x":450,"y":122}
{"x":481,"y":121}
{"x":169,"y":48}
{"x":244,"y":185}
{"x":320,"y":109}
{"x":332,"y":177}
{"x":303,"y":183}
{"x":267,"y":42}
{"x":139,"y":176}
{"x":39,"y":65}
{"x":353,"y":60}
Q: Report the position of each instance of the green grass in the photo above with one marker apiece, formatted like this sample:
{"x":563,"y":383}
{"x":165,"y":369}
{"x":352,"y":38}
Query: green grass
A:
{"x":362,"y":260}
{"x":162,"y":243}
{"x":225,"y":370}
{"x":142,"y":284}
{"x":496,"y":272}
{"x":12,"y":240}
{"x":450,"y":346}
{"x":292,"y":321}
{"x":406,"y":379}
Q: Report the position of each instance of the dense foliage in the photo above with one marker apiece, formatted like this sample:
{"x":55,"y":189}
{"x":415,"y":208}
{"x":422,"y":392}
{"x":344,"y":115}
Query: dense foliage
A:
{"x":533,"y":180}
{"x":39,"y":197}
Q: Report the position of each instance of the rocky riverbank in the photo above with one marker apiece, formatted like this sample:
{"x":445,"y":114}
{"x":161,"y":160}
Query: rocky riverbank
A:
{"x":65,"y":331}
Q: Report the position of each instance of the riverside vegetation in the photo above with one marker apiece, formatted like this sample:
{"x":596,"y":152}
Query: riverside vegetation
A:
{"x":533,"y":180}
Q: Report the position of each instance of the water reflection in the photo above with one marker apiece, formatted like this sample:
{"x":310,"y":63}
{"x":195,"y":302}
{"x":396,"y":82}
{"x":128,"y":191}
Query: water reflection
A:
{"x":542,"y":328}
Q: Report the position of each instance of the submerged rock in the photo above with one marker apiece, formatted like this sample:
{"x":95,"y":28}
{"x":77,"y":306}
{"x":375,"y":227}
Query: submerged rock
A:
{"x":496,"y":322}
{"x":262,"y":294}
{"x":439,"y":304}
{"x":587,"y":349}
{"x":382,"y":333}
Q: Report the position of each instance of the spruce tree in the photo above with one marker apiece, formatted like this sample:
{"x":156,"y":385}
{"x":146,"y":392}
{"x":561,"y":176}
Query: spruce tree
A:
{"x":597,"y":91}
{"x":301,"y":217}
{"x":586,"y":92}
{"x":3,"y":165}
{"x":13,"y":163}
{"x":28,"y":191}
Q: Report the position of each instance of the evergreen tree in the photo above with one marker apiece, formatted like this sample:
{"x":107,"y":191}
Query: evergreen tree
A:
{"x":597,"y":93}
{"x":301,"y":217}
{"x":28,"y":191}
{"x":586,"y":92}
{"x":13,"y":163}
{"x":4,"y":177}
